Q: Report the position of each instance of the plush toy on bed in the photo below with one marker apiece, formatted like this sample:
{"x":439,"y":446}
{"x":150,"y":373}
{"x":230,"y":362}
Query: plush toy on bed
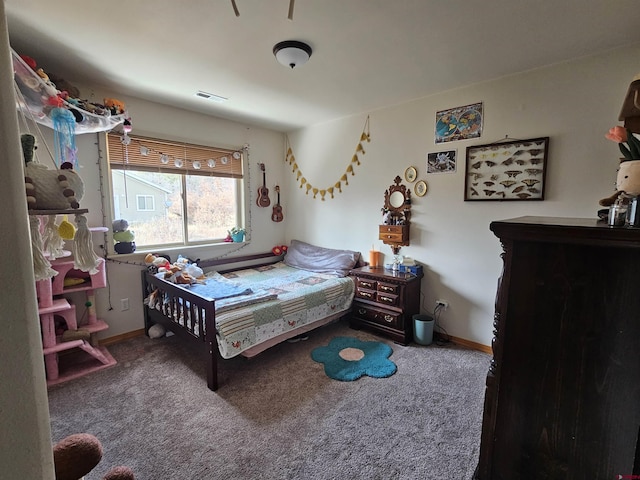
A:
{"x":157,"y":263}
{"x":76,"y":455}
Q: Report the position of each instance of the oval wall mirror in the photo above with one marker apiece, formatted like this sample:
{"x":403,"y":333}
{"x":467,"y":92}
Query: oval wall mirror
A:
{"x":396,"y":199}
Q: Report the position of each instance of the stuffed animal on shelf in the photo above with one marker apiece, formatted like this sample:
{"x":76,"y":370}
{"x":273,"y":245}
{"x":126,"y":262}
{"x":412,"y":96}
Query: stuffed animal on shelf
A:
{"x":116,"y":107}
{"x":76,"y":455}
{"x":123,"y":237}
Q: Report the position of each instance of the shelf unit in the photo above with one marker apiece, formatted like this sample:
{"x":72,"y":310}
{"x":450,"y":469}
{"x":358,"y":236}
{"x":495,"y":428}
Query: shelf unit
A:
{"x":78,"y":341}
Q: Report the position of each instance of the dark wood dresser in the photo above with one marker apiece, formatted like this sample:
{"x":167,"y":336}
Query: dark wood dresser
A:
{"x":386,"y":301}
{"x":562,"y":397}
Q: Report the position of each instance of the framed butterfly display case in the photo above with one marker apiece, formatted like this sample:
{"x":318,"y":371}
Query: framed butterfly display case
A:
{"x":509,"y":170}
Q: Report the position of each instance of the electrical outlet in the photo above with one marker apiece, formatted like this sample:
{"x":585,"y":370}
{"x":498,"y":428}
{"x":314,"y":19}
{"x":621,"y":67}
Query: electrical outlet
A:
{"x":124,"y":304}
{"x":442,"y":303}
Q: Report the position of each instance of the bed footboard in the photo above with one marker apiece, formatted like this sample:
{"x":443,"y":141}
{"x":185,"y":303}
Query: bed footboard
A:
{"x":185,"y":314}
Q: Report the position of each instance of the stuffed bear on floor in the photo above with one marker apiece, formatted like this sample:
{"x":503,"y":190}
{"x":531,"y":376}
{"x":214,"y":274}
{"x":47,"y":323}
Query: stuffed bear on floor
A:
{"x":76,"y":455}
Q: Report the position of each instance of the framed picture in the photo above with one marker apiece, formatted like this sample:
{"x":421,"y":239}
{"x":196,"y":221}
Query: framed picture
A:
{"x":410,"y":174}
{"x":421,"y":188}
{"x":459,"y":123}
{"x":513,"y":170}
{"x":441,"y":162}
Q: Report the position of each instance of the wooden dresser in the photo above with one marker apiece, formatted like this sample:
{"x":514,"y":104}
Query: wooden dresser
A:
{"x":386,"y":301}
{"x":562,"y":396}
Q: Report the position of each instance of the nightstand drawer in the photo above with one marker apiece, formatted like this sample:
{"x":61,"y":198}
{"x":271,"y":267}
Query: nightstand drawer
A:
{"x":381,"y":317}
{"x":365,"y":283}
{"x":366,"y":294}
{"x":388,"y":288}
{"x":385,"y":299}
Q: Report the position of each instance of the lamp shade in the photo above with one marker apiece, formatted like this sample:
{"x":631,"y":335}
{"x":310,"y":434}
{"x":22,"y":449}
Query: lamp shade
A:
{"x":292,"y":53}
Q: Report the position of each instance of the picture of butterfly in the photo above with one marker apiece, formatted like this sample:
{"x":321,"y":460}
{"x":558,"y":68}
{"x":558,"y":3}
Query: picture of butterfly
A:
{"x":494,"y":177}
{"x":518,"y":189}
{"x":533,"y":190}
{"x":507,"y":183}
{"x":524,"y":195}
{"x":513,"y":173}
{"x":489,"y":184}
{"x":476,"y":176}
{"x":530,"y":182}
{"x":473,"y":191}
{"x":533,"y":171}
{"x":521,"y":162}
{"x":535,"y":161}
{"x":490,"y":163}
{"x":476,"y":165}
{"x":535,"y":151}
{"x":488,"y":193}
{"x":508,"y":161}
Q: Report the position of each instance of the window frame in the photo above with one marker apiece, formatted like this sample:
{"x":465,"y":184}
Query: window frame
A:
{"x":241,"y":195}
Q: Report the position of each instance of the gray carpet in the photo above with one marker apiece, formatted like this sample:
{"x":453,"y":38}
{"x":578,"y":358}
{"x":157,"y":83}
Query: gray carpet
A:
{"x":278,"y":416}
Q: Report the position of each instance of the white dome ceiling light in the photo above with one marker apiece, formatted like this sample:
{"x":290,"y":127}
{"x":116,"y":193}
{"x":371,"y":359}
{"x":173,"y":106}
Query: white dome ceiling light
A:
{"x":292,"y":53}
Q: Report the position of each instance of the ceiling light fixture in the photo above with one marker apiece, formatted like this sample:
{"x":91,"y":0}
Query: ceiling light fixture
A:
{"x":292,"y":53}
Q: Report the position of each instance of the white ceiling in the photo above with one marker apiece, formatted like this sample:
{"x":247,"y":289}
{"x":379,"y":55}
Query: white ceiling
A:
{"x":367,"y":54}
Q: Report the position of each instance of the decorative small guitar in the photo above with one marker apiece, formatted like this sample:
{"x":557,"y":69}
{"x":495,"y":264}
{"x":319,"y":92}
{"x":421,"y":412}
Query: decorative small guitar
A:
{"x":277,"y":216}
{"x":263,"y":191}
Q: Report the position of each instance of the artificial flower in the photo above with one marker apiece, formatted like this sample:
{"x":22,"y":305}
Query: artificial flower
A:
{"x":620,"y":135}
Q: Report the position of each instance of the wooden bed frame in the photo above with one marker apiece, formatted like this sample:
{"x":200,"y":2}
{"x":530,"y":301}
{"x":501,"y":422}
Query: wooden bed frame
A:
{"x":199,"y":315}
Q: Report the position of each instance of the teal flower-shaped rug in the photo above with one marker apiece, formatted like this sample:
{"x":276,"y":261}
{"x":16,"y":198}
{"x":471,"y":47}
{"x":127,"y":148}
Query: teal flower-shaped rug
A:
{"x":347,"y":359}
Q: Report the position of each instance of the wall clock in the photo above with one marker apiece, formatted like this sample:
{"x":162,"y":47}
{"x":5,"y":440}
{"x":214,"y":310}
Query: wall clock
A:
{"x":421,"y":188}
{"x":410,"y":174}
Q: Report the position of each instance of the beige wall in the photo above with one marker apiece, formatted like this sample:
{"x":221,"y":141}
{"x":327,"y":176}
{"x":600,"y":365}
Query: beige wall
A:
{"x":573,"y":103}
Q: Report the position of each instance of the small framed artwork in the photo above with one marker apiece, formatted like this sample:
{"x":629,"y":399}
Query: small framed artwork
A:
{"x":459,"y":123}
{"x":410,"y":174}
{"x":513,"y":170}
{"x":441,"y":162}
{"x":421,"y":188}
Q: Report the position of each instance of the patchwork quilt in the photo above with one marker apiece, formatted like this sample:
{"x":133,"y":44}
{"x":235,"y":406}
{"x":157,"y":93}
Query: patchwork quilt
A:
{"x":301,"y":297}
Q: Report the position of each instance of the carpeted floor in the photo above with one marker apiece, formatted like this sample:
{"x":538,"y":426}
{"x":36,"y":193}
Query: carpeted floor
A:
{"x":278,"y":416}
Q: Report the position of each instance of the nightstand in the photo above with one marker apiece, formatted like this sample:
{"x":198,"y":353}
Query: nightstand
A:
{"x":385,"y":301}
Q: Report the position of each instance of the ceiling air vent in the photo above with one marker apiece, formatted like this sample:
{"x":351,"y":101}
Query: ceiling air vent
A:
{"x":210,"y":96}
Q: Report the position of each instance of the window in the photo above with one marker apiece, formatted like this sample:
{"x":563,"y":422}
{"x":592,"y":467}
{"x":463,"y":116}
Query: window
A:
{"x":174,"y":194}
{"x":145,"y":203}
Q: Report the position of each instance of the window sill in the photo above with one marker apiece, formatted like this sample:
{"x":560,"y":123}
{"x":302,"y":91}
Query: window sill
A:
{"x":191,"y":251}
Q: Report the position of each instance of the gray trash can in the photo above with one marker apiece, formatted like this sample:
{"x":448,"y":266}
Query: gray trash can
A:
{"x":423,"y":329}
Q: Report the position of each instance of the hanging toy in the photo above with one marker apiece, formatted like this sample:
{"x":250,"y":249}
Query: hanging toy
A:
{"x":51,"y":240}
{"x":66,"y":229}
{"x":84,"y":258}
{"x":64,"y":126}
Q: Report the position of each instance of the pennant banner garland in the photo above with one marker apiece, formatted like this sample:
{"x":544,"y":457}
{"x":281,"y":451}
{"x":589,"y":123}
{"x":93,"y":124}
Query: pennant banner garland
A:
{"x":344,"y":179}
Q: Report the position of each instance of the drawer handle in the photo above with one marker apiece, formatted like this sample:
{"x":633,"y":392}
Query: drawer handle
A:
{"x":386,"y":289}
{"x":389,"y":236}
{"x":365,"y":294}
{"x":362,"y":311}
{"x":366,"y":284}
{"x":388,"y":318}
{"x":386,"y":299}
